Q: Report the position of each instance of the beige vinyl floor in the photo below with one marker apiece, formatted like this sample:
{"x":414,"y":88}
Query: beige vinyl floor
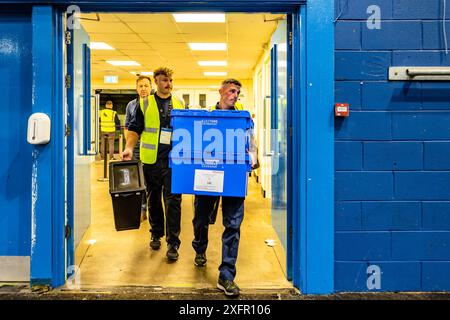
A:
{"x":110,"y":258}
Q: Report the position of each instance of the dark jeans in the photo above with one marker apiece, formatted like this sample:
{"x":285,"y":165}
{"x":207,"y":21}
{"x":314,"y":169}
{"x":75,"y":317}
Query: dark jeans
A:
{"x":158,"y":181}
{"x":233,"y":214}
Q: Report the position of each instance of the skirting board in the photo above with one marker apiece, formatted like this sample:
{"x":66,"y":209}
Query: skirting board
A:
{"x":14,"y":268}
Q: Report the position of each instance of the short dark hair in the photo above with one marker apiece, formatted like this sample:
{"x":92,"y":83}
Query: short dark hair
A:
{"x":231,"y":81}
{"x":142,"y":78}
{"x":164,"y":71}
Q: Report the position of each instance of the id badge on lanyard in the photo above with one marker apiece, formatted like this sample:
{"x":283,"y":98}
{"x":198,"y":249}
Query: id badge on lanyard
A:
{"x":165,"y":136}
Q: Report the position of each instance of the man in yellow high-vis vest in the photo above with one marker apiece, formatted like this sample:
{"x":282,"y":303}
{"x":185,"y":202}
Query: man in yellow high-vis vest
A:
{"x":152,"y":122}
{"x":109,"y":123}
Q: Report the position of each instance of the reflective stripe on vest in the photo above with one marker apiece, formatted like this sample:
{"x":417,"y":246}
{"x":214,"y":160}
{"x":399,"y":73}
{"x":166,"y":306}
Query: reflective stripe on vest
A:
{"x":150,"y":135}
{"x":107,"y":123}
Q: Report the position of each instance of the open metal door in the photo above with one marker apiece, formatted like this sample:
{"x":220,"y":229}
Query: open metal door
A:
{"x":280,"y":139}
{"x":79,"y":138}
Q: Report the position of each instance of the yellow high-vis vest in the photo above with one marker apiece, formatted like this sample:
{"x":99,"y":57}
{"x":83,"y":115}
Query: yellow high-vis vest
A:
{"x":107,"y":123}
{"x":237,"y":106}
{"x":150,"y":135}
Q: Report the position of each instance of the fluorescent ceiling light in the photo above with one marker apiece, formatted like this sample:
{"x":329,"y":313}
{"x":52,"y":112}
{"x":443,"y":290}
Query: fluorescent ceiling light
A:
{"x":142,"y":73}
{"x":208,"y":46}
{"x":100,"y":46}
{"x":215,"y":73}
{"x":123,"y":63}
{"x":212,"y":63}
{"x":111,"y":79}
{"x":199,"y":17}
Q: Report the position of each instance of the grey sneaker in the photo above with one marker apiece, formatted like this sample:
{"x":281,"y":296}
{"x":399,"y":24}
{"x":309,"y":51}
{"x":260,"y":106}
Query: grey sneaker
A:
{"x":200,"y":259}
{"x":228,"y":287}
{"x":155,"y":243}
{"x":172,"y":253}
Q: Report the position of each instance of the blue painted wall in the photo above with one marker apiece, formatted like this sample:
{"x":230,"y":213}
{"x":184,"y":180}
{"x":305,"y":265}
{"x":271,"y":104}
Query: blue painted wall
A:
{"x":15,"y":162}
{"x":392,"y":181}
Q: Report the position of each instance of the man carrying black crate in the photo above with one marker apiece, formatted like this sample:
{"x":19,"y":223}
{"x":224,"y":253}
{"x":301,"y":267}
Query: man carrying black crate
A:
{"x":152,"y":122}
{"x":232,"y":212}
{"x":144,"y":89}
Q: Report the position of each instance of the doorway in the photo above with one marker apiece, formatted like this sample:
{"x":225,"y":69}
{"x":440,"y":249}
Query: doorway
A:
{"x":263,"y":235}
{"x":312,"y":132}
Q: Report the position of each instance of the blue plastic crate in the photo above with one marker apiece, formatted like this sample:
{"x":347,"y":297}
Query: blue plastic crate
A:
{"x":200,"y":159}
{"x":203,"y":125}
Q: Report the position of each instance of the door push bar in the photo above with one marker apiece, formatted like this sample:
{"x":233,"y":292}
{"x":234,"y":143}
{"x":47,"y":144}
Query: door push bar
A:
{"x":419,"y":73}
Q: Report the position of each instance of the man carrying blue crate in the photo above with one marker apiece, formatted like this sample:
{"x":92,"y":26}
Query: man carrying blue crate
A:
{"x":152,"y":122}
{"x":232,"y":212}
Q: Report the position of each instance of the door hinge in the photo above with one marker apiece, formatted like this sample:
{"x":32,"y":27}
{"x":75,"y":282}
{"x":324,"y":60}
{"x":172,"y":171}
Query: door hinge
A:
{"x":67,"y":130}
{"x":290,"y":82}
{"x":290,"y":38}
{"x":67,"y":232}
{"x":290,"y":131}
{"x":68,"y":37}
{"x":290,"y":232}
{"x":68,"y":81}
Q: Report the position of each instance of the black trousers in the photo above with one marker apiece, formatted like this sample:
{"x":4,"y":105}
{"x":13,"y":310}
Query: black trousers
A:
{"x":158,"y":179}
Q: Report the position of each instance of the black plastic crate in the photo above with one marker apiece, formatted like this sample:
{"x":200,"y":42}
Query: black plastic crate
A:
{"x":127,"y":187}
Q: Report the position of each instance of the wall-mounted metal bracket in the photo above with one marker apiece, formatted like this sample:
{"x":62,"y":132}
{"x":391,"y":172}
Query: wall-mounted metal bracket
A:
{"x":419,"y":73}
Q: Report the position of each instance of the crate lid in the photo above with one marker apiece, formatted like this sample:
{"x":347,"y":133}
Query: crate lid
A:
{"x":210,"y":114}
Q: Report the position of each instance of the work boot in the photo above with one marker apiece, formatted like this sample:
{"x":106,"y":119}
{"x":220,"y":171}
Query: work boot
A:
{"x":155,"y":243}
{"x":200,"y":259}
{"x":228,"y":287}
{"x":172,"y":253}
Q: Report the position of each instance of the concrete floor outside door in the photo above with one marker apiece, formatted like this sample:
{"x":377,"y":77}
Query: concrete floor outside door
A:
{"x":125,"y":259}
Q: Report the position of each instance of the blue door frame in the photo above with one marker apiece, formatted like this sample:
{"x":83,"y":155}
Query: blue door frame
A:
{"x":312,"y":157}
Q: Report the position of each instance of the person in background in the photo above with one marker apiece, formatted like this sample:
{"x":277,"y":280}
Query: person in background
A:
{"x":144,"y":89}
{"x":109,"y":123}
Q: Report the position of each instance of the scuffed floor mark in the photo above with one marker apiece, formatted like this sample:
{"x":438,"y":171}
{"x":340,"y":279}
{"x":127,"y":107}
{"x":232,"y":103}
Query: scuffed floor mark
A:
{"x":34,"y":195}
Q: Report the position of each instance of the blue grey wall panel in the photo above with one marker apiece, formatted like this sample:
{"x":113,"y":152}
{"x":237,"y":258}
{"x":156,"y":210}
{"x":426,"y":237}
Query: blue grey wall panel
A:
{"x":386,"y":96}
{"x":393,"y":35}
{"x":420,"y":58}
{"x":15,"y":164}
{"x":348,"y":92}
{"x":433,"y":34}
{"x":437,"y":155}
{"x":421,"y":245}
{"x":395,"y":207}
{"x":348,"y":35}
{"x":393,"y":155}
{"x":435,"y":276}
{"x":421,"y":125}
{"x":364,"y":126}
{"x":357,"y":9}
{"x":396,"y":276}
{"x":374,"y":246}
{"x":436,"y":216}
{"x":391,"y":216}
{"x":348,"y":155}
{"x":362,"y":65}
{"x":348,"y":215}
{"x":435,"y":95}
{"x":364,"y":186}
{"x":418,"y":9}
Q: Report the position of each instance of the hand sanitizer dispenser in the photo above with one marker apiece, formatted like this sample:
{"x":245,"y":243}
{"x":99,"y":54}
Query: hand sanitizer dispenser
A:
{"x":38,"y":128}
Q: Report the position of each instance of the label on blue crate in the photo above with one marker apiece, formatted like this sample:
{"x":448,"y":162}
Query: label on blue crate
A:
{"x":165,"y":136}
{"x":208,"y":180}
